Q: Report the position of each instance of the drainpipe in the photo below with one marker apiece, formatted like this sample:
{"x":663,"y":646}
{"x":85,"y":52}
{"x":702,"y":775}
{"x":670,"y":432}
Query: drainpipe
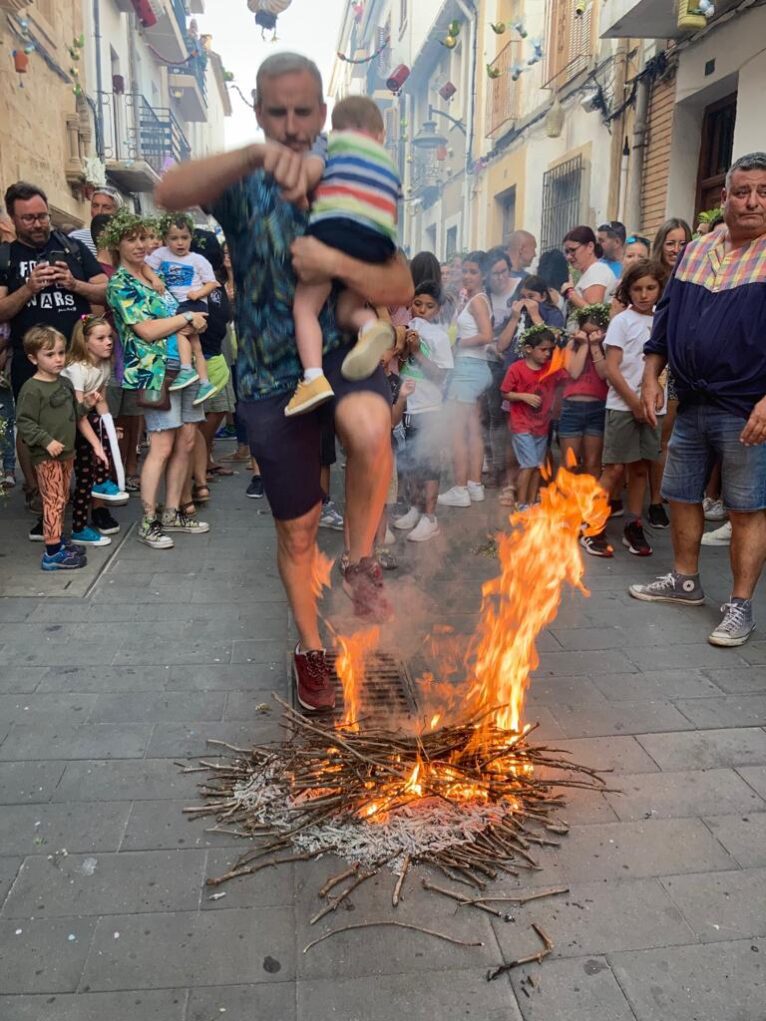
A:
{"x":636,"y":164}
{"x":99,"y":113}
{"x":472,"y":15}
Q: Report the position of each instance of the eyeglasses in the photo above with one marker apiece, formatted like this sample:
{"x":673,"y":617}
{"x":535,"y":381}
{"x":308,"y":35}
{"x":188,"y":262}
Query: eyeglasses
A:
{"x":571,"y":251}
{"x":500,"y":272}
{"x":637,"y":239}
{"x":30,"y":218}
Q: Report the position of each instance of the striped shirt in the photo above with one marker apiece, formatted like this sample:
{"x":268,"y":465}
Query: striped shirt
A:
{"x":360,"y":183}
{"x":711,"y":324}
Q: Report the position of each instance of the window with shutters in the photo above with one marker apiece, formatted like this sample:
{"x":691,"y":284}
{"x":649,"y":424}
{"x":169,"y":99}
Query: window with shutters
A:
{"x":562,"y":187}
{"x":570,"y":41}
{"x":503,"y":93}
{"x":383,"y":35}
{"x":403,"y":11}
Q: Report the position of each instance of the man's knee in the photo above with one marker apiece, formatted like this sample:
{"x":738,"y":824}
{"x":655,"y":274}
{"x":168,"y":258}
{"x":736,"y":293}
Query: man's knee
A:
{"x":297,"y":538}
{"x":364,"y":424}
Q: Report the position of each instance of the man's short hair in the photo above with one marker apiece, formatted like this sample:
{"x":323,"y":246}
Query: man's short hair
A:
{"x":98,"y":224}
{"x":286,"y":63}
{"x":750,"y":161}
{"x":614,"y":229}
{"x":22,"y":191}
{"x":358,"y":113}
{"x":518,"y":237}
{"x":110,"y":193}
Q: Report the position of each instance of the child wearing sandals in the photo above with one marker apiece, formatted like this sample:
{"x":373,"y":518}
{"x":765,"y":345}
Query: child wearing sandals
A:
{"x":88,"y":368}
{"x":354,"y":211}
{"x":46,"y":418}
{"x":631,"y":445}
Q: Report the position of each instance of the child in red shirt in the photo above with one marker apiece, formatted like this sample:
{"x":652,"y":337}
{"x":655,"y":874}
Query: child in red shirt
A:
{"x":530,"y":388}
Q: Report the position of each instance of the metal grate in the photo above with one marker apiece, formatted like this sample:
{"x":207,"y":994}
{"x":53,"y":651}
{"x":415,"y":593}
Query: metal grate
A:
{"x":561,"y":202}
{"x":387,"y":693}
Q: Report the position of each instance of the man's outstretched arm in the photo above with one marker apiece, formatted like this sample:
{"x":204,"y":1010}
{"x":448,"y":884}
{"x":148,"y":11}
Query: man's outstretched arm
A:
{"x":202,"y":182}
{"x":386,"y":284}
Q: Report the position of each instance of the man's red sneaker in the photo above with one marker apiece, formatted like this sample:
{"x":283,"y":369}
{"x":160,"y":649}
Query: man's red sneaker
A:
{"x":363,"y":584}
{"x":312,"y":680}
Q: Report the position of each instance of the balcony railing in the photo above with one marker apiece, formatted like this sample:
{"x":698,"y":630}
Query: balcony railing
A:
{"x":134,"y":131}
{"x":503,"y":93}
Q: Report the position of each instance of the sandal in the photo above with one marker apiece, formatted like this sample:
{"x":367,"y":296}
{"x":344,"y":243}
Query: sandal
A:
{"x":188,"y":509}
{"x":200,"y":494}
{"x":238,"y":457}
{"x":386,"y":558}
{"x":133,"y":484}
{"x":219,"y":469}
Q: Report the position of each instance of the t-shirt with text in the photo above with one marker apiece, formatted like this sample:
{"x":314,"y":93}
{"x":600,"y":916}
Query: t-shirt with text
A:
{"x":181,"y":273}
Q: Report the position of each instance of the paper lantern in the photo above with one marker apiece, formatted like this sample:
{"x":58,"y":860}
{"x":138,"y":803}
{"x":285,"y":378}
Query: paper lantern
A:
{"x":397,"y":78}
{"x":20,"y":61}
{"x":447,"y":91}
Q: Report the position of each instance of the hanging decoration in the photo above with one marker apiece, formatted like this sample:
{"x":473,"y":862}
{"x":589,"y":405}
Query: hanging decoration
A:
{"x":581,"y":7}
{"x":21,"y":55}
{"x":500,"y":27}
{"x":451,"y":39}
{"x":365,"y":60}
{"x":397,"y":78}
{"x":358,"y":10}
{"x":689,"y":17}
{"x":537,"y":52}
{"x":74,"y":50}
{"x":266,"y":14}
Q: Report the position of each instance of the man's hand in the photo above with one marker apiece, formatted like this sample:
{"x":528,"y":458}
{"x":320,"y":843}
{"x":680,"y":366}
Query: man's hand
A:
{"x":313,"y":262}
{"x":652,"y":398}
{"x":288,"y":169}
{"x":637,"y":409}
{"x":62,"y":275}
{"x":55,"y":448}
{"x":42,"y":276}
{"x":754,"y":432}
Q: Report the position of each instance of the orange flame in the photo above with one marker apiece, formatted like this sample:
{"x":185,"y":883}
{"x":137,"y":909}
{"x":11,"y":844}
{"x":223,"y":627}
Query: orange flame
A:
{"x":560,"y":357}
{"x":535,"y":561}
{"x":412,"y":786}
{"x":350,"y":667}
{"x":321,"y":572}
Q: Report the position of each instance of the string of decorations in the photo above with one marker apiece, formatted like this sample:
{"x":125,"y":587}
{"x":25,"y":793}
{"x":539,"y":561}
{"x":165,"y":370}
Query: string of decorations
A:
{"x":366,"y":60}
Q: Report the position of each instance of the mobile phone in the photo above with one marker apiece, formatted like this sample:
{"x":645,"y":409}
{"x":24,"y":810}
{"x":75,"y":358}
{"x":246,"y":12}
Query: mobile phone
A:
{"x":54,"y":256}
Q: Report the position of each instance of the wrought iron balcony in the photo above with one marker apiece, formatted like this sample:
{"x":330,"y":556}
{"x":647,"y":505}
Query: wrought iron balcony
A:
{"x":139,"y":141}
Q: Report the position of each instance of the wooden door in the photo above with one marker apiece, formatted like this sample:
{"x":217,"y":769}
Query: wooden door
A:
{"x":716,"y":146}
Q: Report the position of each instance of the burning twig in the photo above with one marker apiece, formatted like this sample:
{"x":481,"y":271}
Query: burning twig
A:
{"x":400,"y":925}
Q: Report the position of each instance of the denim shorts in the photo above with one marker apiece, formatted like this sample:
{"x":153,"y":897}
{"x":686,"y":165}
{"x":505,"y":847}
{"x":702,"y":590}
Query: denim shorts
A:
{"x":582,"y":418}
{"x":703,"y":434}
{"x":530,"y":450}
{"x":469,"y":379}
{"x":181,"y":411}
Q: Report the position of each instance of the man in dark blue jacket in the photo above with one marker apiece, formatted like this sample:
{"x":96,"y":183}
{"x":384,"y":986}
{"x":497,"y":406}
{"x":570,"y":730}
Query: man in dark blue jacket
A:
{"x":710,"y":327}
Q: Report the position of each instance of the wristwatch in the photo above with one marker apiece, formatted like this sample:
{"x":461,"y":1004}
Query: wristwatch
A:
{"x":189,"y":317}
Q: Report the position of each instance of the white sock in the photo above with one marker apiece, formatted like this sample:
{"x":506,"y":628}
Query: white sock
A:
{"x":309,"y":375}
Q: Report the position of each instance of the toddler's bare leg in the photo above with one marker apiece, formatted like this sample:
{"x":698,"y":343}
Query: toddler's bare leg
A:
{"x":184,"y":349}
{"x":199,"y":359}
{"x":352,"y":313}
{"x":309,"y":301}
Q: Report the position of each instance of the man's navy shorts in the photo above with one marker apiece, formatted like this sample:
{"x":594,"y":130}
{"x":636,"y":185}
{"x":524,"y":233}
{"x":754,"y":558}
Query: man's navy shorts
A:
{"x":288,"y":449}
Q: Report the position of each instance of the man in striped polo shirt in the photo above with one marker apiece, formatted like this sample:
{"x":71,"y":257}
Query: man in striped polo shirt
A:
{"x":710,"y":327}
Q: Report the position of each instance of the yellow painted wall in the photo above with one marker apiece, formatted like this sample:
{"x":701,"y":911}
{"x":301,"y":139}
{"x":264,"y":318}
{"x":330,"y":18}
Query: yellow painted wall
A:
{"x":504,"y":173}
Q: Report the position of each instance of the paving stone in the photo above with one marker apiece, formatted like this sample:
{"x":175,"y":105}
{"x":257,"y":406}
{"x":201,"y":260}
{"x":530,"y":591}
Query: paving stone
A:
{"x":190,"y":741}
{"x":18,"y":679}
{"x":267,"y":888}
{"x":186,"y":948}
{"x":14,"y":609}
{"x":163,"y":825}
{"x":269,"y":651}
{"x":699,"y":654}
{"x":44,"y":829}
{"x":68,"y":708}
{"x":43,"y":955}
{"x":583,"y":639}
{"x":662,"y":685}
{"x":125,"y":780}
{"x":140,"y":1005}
{"x":264,"y":592}
{"x":743,"y":836}
{"x":565,"y":690}
{"x":9,"y":868}
{"x":225,"y":677}
{"x":620,"y":718}
{"x":103,"y":679}
{"x":134,"y":653}
{"x":755,"y":776}
{"x":107,"y":884}
{"x":706,"y":749}
{"x":581,"y":989}
{"x":165,"y":707}
{"x":727,"y":711}
{"x":739,"y":679}
{"x":722,"y":905}
{"x":598,"y":918}
{"x":449,"y":995}
{"x":124,"y":592}
{"x":618,"y":754}
{"x":754,"y":652}
{"x":89,"y":741}
{"x":34,"y":632}
{"x":243,"y":1003}
{"x":252,"y":705}
{"x":695,"y":983}
{"x":684,"y":793}
{"x":28,"y":782}
{"x":586,"y":664}
{"x":58,"y":653}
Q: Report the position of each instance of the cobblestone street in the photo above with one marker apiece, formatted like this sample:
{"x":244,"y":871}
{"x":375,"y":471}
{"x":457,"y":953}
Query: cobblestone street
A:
{"x":108,"y":687}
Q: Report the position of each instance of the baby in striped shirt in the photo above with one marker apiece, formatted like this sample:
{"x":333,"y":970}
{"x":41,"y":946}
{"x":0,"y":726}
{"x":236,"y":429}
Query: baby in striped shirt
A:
{"x":354,"y":210}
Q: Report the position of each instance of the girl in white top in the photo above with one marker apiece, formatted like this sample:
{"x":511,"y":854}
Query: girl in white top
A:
{"x":89,"y":366}
{"x":470,"y":378}
{"x":597,"y":283}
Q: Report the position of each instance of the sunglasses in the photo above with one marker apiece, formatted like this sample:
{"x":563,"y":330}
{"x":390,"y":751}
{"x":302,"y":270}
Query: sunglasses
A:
{"x":637,"y":238}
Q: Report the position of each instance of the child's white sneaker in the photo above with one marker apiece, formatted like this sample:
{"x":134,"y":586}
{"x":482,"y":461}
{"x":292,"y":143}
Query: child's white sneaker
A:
{"x":364,"y":357}
{"x":458,"y":496}
{"x":408,"y":520}
{"x":425,"y":529}
{"x":476,"y":492}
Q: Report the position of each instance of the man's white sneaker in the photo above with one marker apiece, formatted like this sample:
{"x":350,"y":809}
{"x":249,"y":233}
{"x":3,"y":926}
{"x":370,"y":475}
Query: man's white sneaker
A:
{"x":476,"y":492}
{"x":455,"y":497}
{"x":714,"y":509}
{"x":426,"y":529}
{"x":720,"y":537}
{"x":408,"y":520}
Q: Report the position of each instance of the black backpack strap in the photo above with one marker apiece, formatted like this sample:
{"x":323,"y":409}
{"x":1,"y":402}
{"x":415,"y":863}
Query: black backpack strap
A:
{"x":70,"y":245}
{"x":5,"y":257}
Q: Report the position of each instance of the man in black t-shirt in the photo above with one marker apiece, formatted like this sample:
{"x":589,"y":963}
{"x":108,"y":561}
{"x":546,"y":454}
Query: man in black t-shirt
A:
{"x":45,"y":279}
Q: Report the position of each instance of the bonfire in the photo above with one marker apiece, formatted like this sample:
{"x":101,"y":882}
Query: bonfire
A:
{"x":459,"y":789}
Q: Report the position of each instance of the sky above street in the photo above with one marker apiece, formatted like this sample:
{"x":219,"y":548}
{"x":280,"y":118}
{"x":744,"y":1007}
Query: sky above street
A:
{"x":308,"y":26}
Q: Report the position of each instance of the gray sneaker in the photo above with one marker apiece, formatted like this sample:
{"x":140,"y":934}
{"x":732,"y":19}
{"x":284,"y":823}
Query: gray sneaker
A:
{"x":737,"y":624}
{"x":151,"y":533}
{"x":670,"y":588}
{"x":331,"y":517}
{"x":175,"y":521}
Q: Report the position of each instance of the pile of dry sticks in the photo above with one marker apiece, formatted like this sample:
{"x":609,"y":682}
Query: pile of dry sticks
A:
{"x":377,"y":798}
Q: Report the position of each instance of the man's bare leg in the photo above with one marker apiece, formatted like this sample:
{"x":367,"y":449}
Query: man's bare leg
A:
{"x":687,"y":524}
{"x":296,"y":543}
{"x":748,"y":551}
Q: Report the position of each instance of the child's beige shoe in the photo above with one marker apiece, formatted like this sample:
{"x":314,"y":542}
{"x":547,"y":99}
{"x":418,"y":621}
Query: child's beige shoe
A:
{"x":364,"y":357}
{"x":308,"y":396}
